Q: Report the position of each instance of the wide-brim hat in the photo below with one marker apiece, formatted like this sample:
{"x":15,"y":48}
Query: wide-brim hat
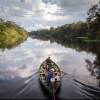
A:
{"x":52,"y":69}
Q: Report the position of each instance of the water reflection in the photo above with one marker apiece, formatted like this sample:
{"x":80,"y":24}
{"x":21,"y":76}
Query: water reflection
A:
{"x":80,"y":46}
{"x":94,"y":69}
{"x":19,"y":70}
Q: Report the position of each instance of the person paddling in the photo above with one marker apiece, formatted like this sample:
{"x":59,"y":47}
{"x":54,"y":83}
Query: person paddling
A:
{"x":50,"y":73}
{"x":48,"y":62}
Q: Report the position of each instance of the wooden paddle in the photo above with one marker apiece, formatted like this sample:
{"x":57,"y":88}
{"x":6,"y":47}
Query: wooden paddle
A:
{"x":53,"y":90}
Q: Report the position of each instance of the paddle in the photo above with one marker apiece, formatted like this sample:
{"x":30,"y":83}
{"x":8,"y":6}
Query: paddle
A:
{"x":53,"y":89}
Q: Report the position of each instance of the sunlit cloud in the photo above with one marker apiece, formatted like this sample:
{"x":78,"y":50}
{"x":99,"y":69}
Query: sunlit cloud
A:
{"x":51,"y":8}
{"x":37,"y":14}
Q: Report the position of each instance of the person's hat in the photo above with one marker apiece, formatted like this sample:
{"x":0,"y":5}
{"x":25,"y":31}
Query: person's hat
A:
{"x":52,"y":69}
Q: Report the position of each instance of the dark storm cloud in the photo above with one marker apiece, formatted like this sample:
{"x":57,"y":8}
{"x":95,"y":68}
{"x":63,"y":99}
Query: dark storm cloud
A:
{"x":35,"y":14}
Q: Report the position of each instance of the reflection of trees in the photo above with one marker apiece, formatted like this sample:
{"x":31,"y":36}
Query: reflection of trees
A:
{"x":94,"y":67}
{"x":89,"y":66}
{"x":94,"y":23}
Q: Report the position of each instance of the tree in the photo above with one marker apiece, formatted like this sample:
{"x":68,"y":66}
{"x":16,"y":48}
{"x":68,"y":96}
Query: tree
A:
{"x":1,"y":20}
{"x":93,"y":21}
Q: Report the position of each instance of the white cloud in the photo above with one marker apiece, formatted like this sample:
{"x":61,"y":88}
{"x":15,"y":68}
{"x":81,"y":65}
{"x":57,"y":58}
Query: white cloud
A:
{"x":50,"y":17}
{"x":36,"y":14}
{"x":51,"y":8}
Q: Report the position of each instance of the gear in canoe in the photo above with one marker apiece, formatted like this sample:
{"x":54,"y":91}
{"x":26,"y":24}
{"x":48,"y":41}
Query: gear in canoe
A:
{"x":49,"y":75}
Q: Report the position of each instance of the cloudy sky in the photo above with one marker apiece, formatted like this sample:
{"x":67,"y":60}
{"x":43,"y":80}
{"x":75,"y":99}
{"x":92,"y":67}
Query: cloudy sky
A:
{"x":37,"y":14}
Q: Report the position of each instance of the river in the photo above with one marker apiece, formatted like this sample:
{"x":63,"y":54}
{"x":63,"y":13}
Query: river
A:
{"x":19,"y":71}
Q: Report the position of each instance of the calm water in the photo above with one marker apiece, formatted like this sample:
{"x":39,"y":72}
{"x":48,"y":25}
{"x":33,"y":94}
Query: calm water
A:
{"x":19,"y":71}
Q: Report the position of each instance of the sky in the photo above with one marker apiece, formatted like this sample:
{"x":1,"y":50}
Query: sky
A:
{"x":39,"y":14}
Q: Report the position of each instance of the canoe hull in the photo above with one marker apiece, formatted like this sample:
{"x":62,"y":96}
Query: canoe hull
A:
{"x":48,"y":88}
{"x":42,"y":79}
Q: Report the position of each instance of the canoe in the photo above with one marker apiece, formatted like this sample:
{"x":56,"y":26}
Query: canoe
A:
{"x":42,"y":75}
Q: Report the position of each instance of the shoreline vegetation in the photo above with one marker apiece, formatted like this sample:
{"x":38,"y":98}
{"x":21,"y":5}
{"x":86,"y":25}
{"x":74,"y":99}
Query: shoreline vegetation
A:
{"x":11,"y":34}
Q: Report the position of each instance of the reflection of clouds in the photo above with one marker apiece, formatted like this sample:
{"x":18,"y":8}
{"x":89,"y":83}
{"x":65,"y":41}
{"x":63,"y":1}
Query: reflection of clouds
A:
{"x":7,"y":74}
{"x":74,"y":62}
{"x":24,"y":60}
{"x":17,"y":71}
{"x":26,"y":71}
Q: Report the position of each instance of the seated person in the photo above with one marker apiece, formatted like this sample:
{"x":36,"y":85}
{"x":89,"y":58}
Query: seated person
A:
{"x":49,"y":75}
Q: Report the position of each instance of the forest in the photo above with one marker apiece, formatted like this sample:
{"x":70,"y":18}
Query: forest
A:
{"x":11,"y":34}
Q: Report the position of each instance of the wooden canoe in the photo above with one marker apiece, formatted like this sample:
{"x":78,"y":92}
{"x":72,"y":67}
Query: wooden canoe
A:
{"x":42,"y":75}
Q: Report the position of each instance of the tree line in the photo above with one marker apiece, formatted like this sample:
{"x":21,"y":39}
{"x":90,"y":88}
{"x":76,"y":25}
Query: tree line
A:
{"x":88,"y":30}
{"x":11,"y":34}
